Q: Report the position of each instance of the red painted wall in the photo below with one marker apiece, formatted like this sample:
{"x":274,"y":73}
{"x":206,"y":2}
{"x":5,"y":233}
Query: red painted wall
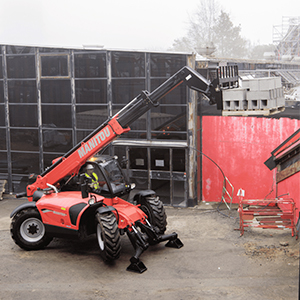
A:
{"x":240,"y":146}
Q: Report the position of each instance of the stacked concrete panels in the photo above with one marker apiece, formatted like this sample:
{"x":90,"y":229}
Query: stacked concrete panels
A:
{"x":255,"y":96}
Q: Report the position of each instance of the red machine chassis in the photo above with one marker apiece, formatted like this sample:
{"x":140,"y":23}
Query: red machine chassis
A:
{"x":65,"y":210}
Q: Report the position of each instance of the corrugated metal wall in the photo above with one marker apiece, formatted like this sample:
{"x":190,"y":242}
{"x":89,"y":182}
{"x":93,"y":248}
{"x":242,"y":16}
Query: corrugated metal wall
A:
{"x":240,"y":146}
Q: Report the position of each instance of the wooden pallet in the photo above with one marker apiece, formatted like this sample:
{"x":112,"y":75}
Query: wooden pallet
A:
{"x":253,"y":112}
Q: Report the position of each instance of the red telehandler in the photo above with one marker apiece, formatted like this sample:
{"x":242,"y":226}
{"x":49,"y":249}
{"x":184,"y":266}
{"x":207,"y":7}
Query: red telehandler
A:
{"x":57,"y":208}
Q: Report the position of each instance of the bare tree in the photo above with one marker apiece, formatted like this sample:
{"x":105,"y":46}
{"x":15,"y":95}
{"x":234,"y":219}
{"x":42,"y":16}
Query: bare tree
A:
{"x":227,"y":38}
{"x":202,"y":23}
{"x":200,"y":30}
{"x":211,"y":29}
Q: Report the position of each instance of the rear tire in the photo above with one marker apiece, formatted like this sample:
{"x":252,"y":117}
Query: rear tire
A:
{"x":108,"y":236}
{"x":155,"y":211}
{"x":28,"y":230}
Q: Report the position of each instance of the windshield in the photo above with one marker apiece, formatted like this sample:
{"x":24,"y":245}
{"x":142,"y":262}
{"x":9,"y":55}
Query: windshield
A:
{"x":115,"y":176}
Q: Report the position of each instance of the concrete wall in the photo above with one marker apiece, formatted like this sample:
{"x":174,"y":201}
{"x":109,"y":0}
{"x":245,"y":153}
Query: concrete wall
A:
{"x":240,"y":146}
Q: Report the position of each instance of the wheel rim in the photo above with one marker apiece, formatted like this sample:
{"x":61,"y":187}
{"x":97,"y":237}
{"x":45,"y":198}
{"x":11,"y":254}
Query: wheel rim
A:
{"x":100,"y":237}
{"x":32,"y":230}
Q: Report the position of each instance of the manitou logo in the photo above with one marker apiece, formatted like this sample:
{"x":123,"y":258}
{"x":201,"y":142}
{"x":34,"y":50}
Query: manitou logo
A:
{"x":93,"y":142}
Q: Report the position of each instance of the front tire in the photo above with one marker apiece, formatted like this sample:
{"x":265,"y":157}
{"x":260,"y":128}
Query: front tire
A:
{"x":108,"y":236}
{"x":155,"y":211}
{"x":28,"y":230}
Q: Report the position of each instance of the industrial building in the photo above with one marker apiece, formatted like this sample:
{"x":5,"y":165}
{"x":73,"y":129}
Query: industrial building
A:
{"x":51,"y":98}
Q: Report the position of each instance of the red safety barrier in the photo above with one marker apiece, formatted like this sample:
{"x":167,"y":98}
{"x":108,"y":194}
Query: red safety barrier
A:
{"x":267,"y":213}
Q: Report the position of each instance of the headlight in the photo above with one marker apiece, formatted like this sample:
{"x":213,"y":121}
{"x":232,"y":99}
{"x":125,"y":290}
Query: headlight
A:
{"x":132,"y":186}
{"x":91,"y":201}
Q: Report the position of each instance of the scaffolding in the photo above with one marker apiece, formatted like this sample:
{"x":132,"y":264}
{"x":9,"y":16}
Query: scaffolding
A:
{"x":286,"y":38}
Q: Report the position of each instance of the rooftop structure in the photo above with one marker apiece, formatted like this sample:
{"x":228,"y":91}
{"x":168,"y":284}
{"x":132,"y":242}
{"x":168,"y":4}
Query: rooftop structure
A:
{"x":286,"y":38}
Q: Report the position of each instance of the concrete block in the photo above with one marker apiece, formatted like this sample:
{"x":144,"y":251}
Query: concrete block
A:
{"x":240,"y":105}
{"x":244,"y":105}
{"x":234,"y":94}
{"x":263,"y":104}
{"x":227,"y":105}
{"x":257,"y":95}
{"x":252,"y":84}
{"x":280,"y":93}
{"x":253,"y":104}
{"x":278,"y":83}
{"x":280,"y":101}
{"x":235,"y":105}
{"x":272,"y":103}
{"x":262,"y":84}
{"x":267,"y":83}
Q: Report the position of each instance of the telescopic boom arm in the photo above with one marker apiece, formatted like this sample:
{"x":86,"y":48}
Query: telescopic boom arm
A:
{"x":71,"y":162}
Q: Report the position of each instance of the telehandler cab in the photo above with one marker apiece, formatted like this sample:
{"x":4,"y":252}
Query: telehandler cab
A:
{"x":63,"y":204}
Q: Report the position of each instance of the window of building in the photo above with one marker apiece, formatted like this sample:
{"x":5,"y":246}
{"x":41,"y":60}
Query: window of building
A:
{"x":160,"y":159}
{"x":90,"y":116}
{"x":56,"y":116}
{"x":53,"y":50}
{"x":138,"y":158}
{"x":82,"y":134}
{"x":164,"y":65}
{"x":179,"y":193}
{"x":178,"y":160}
{"x":3,"y":163}
{"x":24,"y":139}
{"x":56,"y":91}
{"x":1,"y":92}
{"x":162,"y":189}
{"x":2,"y":139}
{"x":1,"y":71}
{"x":55,"y":140}
{"x":2,"y":115}
{"x":55,"y":65}
{"x":19,"y":50}
{"x":128,"y":64}
{"x":91,"y":91}
{"x":22,"y":91}
{"x":123,"y":91}
{"x":91,"y":65}
{"x":23,"y":115}
{"x":176,"y":97}
{"x":169,"y":122}
{"x":21,"y":66}
{"x":25,"y":163}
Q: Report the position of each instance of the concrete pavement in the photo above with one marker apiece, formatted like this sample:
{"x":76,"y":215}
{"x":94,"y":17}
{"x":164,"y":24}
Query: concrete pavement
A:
{"x":215,"y":263}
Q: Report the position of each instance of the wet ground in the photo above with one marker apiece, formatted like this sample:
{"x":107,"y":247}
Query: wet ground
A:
{"x":215,"y":263}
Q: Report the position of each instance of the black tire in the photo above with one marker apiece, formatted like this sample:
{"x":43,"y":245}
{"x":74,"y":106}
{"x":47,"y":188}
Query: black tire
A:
{"x":108,"y":236}
{"x":28,"y":230}
{"x":155,"y":211}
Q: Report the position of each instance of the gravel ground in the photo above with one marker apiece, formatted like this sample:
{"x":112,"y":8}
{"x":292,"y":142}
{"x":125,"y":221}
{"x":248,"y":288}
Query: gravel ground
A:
{"x":215,"y":263}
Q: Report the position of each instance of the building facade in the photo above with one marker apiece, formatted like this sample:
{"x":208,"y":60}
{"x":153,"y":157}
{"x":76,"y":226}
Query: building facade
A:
{"x":50,"y":99}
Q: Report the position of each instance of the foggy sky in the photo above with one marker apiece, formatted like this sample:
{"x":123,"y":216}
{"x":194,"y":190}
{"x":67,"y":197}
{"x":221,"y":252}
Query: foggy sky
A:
{"x":128,"y":24}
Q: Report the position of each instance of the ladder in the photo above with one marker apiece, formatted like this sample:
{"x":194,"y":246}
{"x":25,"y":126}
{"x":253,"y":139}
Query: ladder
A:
{"x":226,"y":194}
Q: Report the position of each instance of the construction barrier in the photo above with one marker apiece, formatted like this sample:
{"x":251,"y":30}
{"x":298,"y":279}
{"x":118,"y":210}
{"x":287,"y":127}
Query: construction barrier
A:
{"x":267,"y":213}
